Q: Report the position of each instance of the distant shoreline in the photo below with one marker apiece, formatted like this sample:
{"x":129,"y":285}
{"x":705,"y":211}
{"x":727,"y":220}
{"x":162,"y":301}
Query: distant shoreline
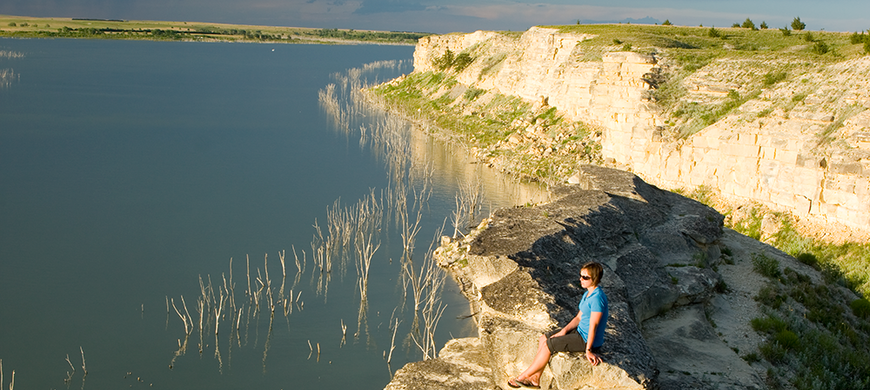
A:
{"x":92,"y":28}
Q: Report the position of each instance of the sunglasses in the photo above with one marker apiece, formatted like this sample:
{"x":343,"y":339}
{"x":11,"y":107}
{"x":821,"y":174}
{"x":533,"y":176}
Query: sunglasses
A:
{"x":585,"y":277}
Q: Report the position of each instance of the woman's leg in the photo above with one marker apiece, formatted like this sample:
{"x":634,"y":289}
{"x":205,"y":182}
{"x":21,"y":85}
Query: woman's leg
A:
{"x":542,"y":357}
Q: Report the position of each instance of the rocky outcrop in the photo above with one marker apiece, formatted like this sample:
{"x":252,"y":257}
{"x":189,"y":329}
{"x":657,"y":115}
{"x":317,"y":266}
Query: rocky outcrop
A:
{"x":519,"y":271}
{"x":802,"y":145}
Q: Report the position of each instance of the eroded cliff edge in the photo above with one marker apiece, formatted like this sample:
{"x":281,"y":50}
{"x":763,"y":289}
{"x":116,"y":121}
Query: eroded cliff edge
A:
{"x":799,"y":144}
{"x":519,"y":270}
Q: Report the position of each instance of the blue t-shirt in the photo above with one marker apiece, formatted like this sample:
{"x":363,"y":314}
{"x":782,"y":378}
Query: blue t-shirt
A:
{"x":593,"y":302}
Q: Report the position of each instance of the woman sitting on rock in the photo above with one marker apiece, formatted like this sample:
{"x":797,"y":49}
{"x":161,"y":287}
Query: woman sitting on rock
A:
{"x":584,"y":333}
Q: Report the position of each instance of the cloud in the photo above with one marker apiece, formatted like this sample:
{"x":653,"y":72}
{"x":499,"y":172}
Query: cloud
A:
{"x":388,"y":6}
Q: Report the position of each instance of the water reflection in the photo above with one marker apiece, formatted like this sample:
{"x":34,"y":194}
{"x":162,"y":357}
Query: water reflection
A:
{"x":378,"y":234}
{"x":8,"y":75}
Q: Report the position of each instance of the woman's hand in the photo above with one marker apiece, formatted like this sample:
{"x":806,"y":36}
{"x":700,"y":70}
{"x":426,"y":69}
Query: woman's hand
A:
{"x":593,"y":358}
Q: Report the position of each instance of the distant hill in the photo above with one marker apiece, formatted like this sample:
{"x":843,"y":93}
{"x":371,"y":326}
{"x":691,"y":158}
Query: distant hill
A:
{"x":645,"y":20}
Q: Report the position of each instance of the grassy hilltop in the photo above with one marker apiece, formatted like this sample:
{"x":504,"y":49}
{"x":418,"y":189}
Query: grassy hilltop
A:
{"x":766,"y":57}
{"x":29,"y":27}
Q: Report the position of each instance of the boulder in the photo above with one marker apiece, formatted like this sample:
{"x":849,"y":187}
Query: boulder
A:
{"x":462,"y":364}
{"x":520,"y":270}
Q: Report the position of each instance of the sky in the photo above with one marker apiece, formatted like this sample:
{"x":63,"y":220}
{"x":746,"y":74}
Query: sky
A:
{"x":444,"y":16}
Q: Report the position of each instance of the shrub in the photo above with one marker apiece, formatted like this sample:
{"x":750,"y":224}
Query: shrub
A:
{"x":445,"y":61}
{"x":770,"y":296}
{"x":763,"y":25}
{"x":462,"y":61}
{"x":785,"y":31}
{"x":704,"y":194}
{"x":774,"y":77}
{"x":733,"y":95}
{"x":820,"y":48}
{"x":867,"y":47}
{"x":809,"y":37}
{"x":797,"y":25}
{"x":449,"y":60}
{"x":12,"y":24}
{"x":751,"y":358}
{"x":788,"y":339}
{"x":667,"y":23}
{"x":861,"y":308}
{"x":808,"y":259}
{"x":713,"y":33}
{"x":765,"y":266}
{"x":773,"y":352}
{"x":737,"y":25}
{"x":473,"y":93}
{"x":856,"y":38}
{"x":748,"y":24}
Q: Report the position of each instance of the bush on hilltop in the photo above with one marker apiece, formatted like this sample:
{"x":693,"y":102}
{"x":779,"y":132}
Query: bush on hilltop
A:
{"x":797,"y":25}
{"x":713,"y":33}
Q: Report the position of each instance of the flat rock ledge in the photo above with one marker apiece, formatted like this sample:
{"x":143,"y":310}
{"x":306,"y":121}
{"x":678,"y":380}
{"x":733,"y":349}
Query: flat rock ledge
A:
{"x":519,"y":269}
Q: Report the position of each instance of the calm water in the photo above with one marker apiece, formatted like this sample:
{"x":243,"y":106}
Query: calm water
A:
{"x":130,"y":170}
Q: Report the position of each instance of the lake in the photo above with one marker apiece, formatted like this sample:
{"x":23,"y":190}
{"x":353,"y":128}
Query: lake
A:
{"x":150,"y":187}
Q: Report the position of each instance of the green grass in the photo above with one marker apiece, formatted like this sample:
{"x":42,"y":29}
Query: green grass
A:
{"x":19,"y":26}
{"x":687,"y":42}
{"x":811,"y":340}
{"x":437,"y":98}
{"x":847,"y":263}
{"x":688,"y":49}
{"x":411,"y":96}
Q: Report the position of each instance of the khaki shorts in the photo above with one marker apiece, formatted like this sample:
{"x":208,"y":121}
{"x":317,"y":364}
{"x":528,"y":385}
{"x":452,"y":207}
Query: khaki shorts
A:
{"x":571,"y":342}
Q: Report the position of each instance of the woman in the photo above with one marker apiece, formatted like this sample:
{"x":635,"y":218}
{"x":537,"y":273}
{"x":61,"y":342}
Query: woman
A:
{"x":585,"y":332}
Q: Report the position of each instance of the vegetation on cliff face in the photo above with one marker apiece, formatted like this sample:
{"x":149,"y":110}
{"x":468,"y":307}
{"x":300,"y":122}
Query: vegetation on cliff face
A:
{"x":530,"y":140}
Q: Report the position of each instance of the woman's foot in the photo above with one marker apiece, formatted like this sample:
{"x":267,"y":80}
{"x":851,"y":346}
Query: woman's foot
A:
{"x":517,"y":383}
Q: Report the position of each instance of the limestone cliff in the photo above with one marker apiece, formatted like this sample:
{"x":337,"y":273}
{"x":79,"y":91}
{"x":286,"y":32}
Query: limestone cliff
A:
{"x":798,"y":144}
{"x":692,"y":305}
{"x":519,"y":271}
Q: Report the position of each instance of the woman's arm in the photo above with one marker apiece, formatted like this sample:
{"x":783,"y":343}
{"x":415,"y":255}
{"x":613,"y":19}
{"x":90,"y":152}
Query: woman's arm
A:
{"x":571,"y":325}
{"x":594,"y":320}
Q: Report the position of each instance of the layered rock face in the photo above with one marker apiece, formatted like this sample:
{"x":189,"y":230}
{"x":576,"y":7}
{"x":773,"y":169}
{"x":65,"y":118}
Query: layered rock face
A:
{"x":520,"y":270}
{"x":784,"y":159}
